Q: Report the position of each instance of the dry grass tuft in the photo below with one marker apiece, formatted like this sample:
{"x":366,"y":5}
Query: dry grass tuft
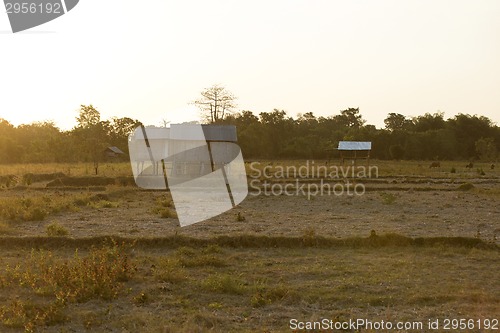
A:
{"x":54,"y":229}
{"x":164,"y":207}
{"x":465,"y":187}
{"x":4,"y":228}
{"x":53,"y":283}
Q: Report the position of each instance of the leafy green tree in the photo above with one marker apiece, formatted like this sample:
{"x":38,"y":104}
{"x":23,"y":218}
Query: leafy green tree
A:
{"x":92,"y":133}
{"x":6,"y":128}
{"x":350,"y":118}
{"x":278,"y":129}
{"x":468,"y":129}
{"x":397,"y":122}
{"x":429,"y":122}
{"x":41,"y":140}
{"x":123,"y":127}
{"x":120,"y":129}
{"x":251,"y":138}
{"x":397,"y":152}
{"x":486,"y":149}
{"x":271,"y":135}
{"x":88,"y":116}
{"x":9,"y":150}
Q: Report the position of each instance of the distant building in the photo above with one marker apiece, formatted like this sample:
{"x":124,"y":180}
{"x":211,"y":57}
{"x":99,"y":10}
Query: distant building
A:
{"x":113,"y":152}
{"x":354,"y":150}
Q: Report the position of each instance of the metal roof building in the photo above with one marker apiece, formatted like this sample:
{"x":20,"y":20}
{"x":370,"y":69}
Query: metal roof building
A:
{"x":355,"y":145}
{"x":354,"y":150}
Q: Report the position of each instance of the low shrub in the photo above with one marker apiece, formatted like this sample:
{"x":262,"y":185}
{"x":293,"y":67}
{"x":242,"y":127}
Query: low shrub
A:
{"x":465,"y":187}
{"x":56,"y":230}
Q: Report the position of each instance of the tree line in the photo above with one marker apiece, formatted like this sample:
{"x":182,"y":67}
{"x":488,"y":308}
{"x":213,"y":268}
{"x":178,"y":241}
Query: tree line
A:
{"x":269,"y":135}
{"x":277,"y":135}
{"x":427,"y":137}
{"x":44,"y":142}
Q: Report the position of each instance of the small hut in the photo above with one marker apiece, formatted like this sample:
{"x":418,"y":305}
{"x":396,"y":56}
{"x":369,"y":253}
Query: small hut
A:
{"x":113,"y":152}
{"x":354,"y":150}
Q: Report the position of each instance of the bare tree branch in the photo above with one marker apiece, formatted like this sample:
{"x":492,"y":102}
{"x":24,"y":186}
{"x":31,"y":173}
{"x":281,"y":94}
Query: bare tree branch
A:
{"x":215,"y":103}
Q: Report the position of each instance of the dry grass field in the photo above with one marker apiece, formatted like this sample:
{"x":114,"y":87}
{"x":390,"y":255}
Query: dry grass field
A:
{"x":421,"y":243}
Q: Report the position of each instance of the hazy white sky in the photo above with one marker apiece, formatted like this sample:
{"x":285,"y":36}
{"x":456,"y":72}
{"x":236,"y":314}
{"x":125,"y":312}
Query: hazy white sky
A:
{"x":147,"y":60}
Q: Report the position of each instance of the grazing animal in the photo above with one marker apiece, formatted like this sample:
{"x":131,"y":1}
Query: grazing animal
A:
{"x":492,"y":166}
{"x":435,"y":165}
{"x":470,"y":165}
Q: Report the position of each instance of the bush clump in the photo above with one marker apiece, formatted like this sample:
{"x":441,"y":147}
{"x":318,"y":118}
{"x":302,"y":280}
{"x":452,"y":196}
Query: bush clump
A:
{"x":465,"y":187}
{"x":56,"y":230}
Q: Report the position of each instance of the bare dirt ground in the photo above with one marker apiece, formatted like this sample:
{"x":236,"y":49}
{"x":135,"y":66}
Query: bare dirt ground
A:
{"x":428,"y":213}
